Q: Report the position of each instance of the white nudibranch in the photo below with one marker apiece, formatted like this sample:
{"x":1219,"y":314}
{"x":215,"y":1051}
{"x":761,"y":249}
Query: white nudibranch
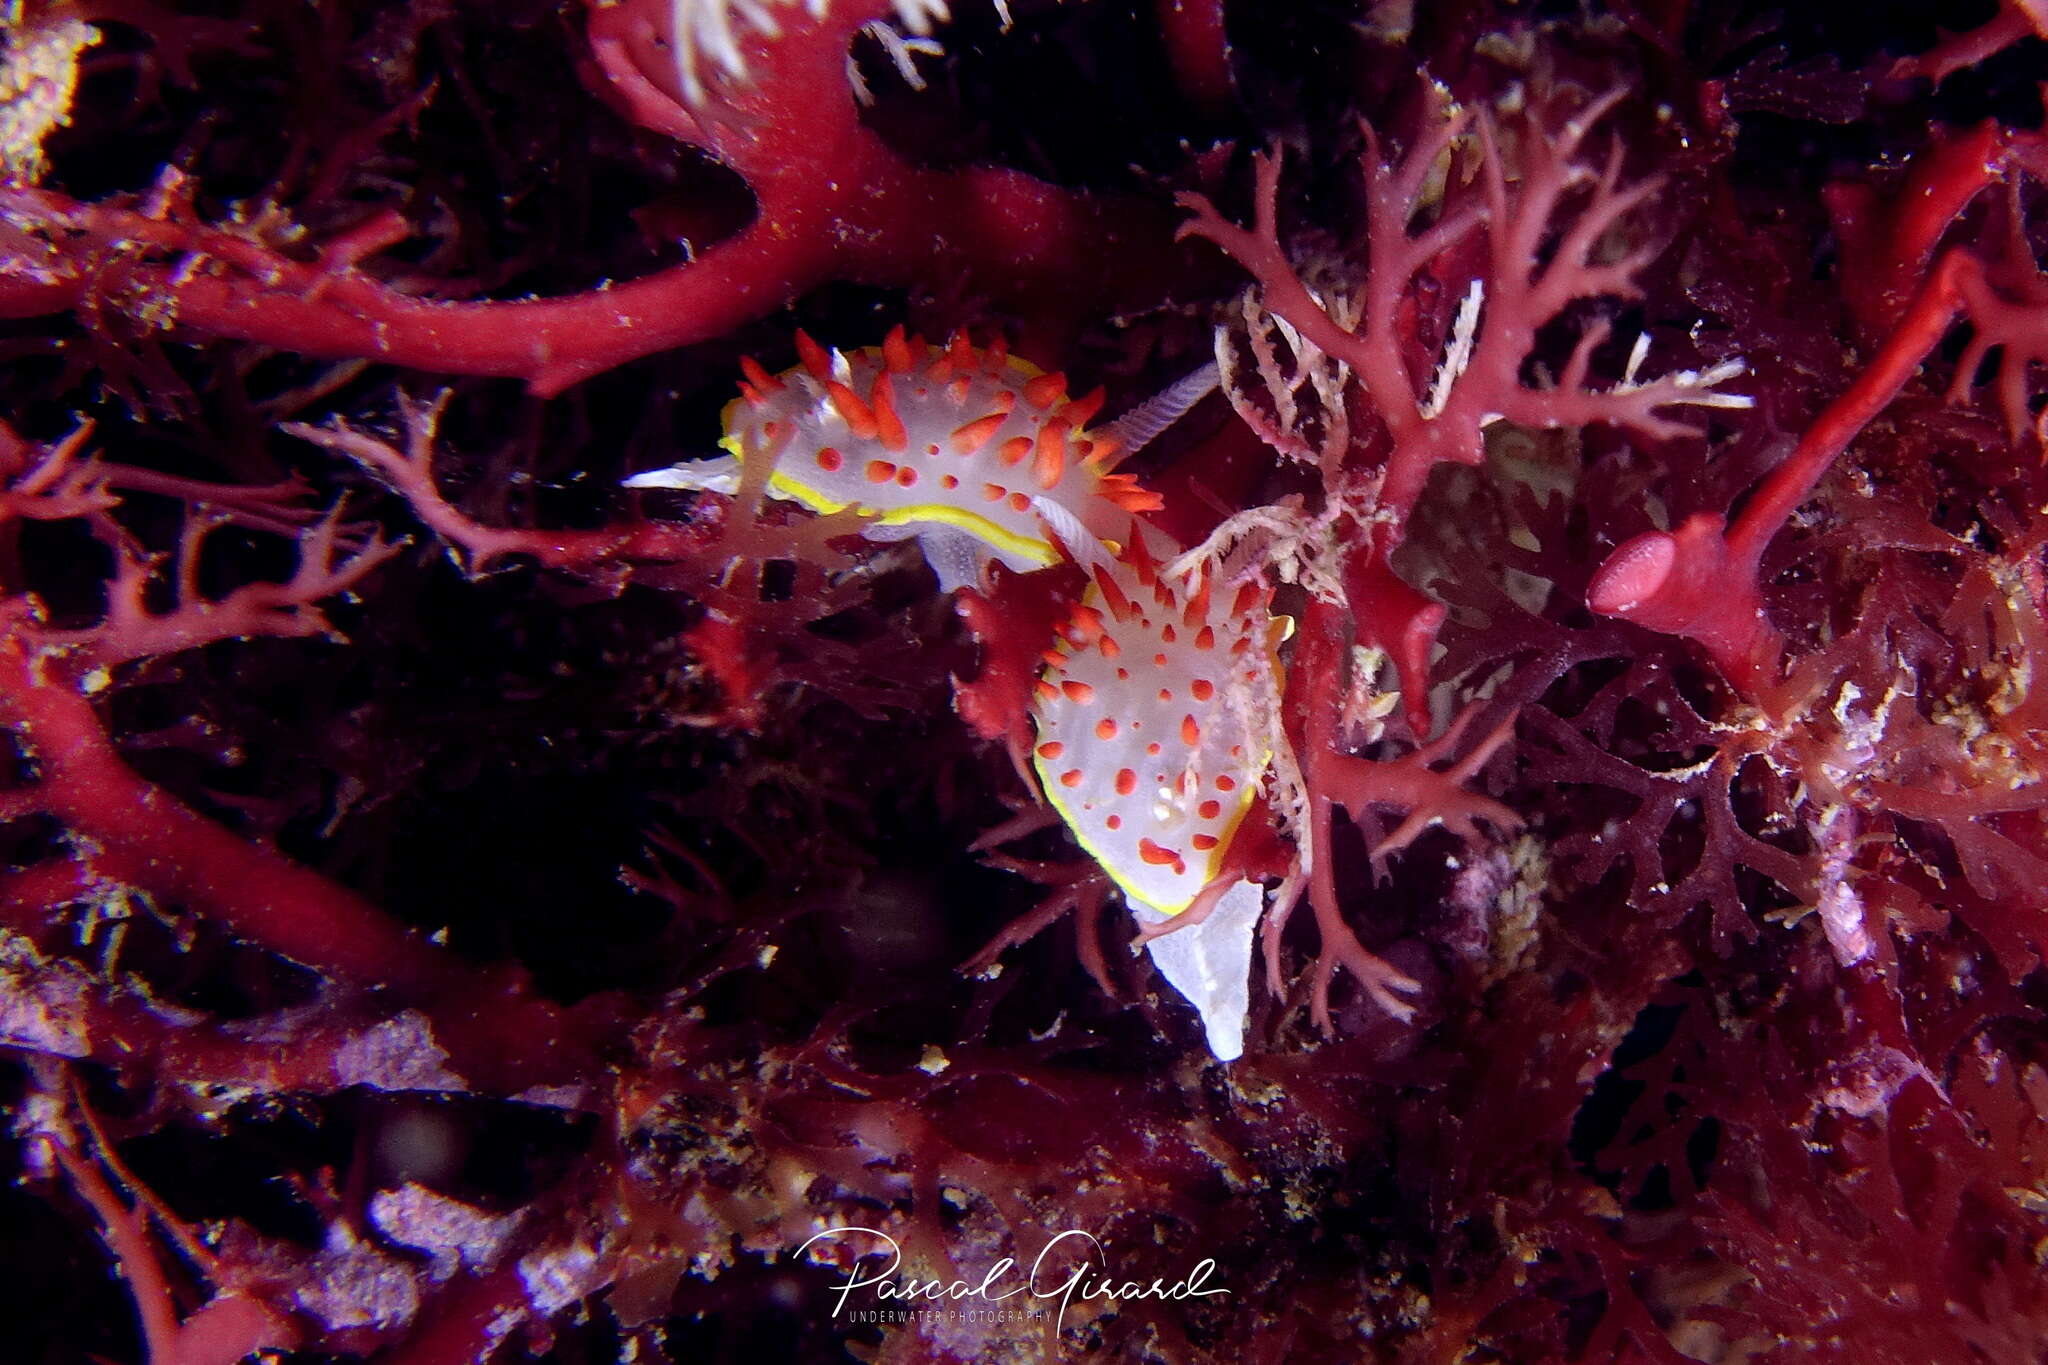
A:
{"x":1151,"y":748}
{"x":949,"y":444}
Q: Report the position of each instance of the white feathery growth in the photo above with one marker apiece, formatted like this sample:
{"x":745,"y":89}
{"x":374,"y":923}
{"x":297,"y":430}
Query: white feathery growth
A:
{"x":1695,"y":388}
{"x":1458,"y":355}
{"x":902,"y":52}
{"x":709,"y":36}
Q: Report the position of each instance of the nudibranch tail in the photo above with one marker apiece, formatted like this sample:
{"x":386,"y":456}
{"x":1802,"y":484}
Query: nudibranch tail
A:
{"x":1209,"y":962}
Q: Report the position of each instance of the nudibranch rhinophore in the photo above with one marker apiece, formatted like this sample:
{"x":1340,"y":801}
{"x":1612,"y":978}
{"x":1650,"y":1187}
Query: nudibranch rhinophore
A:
{"x":952,"y":445}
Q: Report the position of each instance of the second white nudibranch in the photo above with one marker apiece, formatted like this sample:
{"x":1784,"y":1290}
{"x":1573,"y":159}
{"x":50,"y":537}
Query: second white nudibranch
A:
{"x":1143,"y":744}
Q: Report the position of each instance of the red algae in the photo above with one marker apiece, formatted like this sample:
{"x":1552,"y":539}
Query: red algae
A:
{"x":488,"y":877}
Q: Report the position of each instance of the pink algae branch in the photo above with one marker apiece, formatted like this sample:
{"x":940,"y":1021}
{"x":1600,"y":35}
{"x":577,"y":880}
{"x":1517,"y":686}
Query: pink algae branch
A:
{"x":1436,"y":336}
{"x":121,"y":830}
{"x":1425,"y":210}
{"x":229,"y":1326}
{"x":1408,"y":785}
{"x":1435,"y":415}
{"x":833,"y":202}
{"x":1701,"y":580}
{"x":140,"y":835}
{"x":410,"y":473}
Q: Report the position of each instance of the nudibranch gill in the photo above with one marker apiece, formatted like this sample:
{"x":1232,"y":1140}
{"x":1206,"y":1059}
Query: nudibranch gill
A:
{"x":953,"y":445}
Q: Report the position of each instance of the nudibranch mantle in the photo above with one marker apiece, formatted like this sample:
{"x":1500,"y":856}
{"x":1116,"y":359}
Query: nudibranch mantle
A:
{"x":942,"y":443}
{"x":1144,"y":745}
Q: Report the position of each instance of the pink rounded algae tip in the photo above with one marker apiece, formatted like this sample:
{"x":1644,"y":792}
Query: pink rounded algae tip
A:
{"x":1633,"y":574}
